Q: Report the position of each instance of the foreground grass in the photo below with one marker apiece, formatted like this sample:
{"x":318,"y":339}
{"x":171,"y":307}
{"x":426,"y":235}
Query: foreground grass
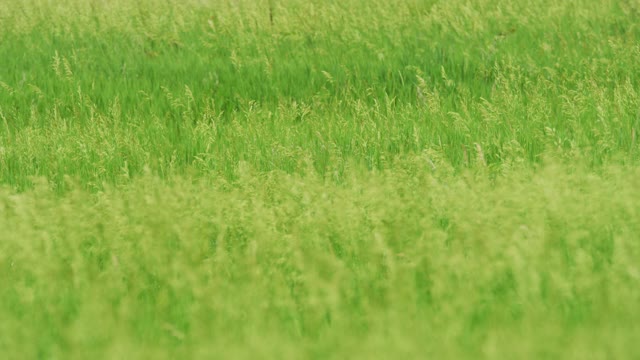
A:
{"x":288,"y":179}
{"x":401,"y":262}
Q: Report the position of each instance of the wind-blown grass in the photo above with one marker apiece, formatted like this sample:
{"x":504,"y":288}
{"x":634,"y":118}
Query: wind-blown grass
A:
{"x":406,"y":261}
{"x":332,"y":179}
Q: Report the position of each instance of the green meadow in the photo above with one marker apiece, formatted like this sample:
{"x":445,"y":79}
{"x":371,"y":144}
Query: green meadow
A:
{"x":321,"y":179}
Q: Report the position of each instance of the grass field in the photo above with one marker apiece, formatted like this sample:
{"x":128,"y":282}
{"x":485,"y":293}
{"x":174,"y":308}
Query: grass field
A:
{"x":295,"y":179}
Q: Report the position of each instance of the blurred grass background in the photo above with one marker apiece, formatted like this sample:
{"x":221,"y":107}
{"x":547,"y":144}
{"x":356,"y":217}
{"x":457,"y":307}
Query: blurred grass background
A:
{"x":319,"y":179}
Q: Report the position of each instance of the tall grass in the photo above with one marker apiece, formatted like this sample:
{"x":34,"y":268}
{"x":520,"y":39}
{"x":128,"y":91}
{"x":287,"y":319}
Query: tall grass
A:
{"x":323,"y":179}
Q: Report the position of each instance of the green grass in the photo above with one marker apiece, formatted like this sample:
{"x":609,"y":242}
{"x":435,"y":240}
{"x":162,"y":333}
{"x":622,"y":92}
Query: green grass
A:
{"x":319,"y":179}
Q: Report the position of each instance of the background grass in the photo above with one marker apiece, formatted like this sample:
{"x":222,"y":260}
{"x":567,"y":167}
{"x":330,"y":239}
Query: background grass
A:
{"x":319,"y":179}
